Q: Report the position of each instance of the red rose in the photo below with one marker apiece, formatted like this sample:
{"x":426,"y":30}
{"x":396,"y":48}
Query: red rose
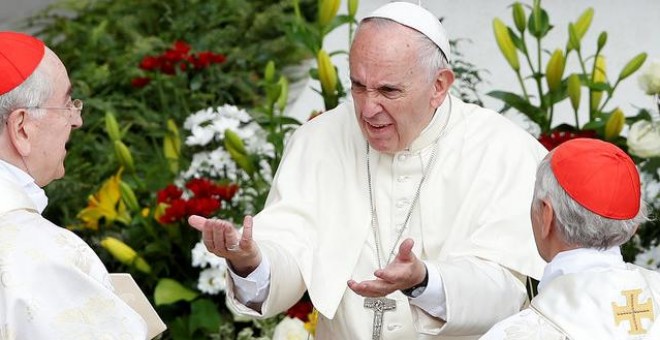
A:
{"x":175,"y":212}
{"x":202,"y":206}
{"x":170,"y":193}
{"x":300,"y":310}
{"x":149,"y":63}
{"x":140,"y":82}
{"x":555,"y":138}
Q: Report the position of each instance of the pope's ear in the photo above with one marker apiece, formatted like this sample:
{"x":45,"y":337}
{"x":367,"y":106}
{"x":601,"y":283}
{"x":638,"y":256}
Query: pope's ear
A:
{"x":443,"y":81}
{"x":17,"y":130}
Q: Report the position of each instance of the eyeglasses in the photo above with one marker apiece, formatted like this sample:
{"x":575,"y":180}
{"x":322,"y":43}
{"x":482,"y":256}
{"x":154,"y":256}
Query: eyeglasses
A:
{"x":76,"y":105}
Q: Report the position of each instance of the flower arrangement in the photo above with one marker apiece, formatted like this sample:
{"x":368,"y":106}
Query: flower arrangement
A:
{"x":553,"y":83}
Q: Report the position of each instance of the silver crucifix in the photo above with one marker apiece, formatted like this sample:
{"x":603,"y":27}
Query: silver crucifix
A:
{"x":379,"y":306}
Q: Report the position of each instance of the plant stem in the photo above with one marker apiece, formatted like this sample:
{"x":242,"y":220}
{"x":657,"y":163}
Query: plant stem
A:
{"x":522,"y":85}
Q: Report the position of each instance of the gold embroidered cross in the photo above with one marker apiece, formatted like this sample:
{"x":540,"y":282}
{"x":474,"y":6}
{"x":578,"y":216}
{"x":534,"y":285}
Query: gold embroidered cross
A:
{"x":633,"y":312}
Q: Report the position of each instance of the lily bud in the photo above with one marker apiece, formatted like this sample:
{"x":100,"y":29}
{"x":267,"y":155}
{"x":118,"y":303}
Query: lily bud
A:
{"x":236,"y":149}
{"x":632,"y":66}
{"x":573,"y":38}
{"x":233,"y":141}
{"x":599,"y":76}
{"x":124,"y":156}
{"x":327,"y":72}
{"x":574,"y":90}
{"x":583,"y":22}
{"x":352,"y":8}
{"x":519,"y":17}
{"x":327,"y":11}
{"x":506,"y":44}
{"x":284,"y":93}
{"x":111,"y":126}
{"x":614,"y":124}
{"x":269,"y":73}
{"x":172,"y":146}
{"x":555,"y":70}
{"x":125,"y":254}
{"x":602,"y":39}
{"x":128,"y":196}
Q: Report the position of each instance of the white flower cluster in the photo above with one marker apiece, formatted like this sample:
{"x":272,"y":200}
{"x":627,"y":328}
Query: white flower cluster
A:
{"x":651,"y":189}
{"x":212,"y":280}
{"x":291,"y":329}
{"x":207,"y":129}
{"x":649,"y":258}
{"x":649,"y":81}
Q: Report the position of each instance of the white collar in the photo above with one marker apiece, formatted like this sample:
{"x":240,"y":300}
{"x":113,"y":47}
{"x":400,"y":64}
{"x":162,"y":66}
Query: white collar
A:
{"x":579,"y":260}
{"x":25,"y":181}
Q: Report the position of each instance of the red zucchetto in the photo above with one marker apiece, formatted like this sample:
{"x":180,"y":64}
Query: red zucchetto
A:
{"x":20,"y":54}
{"x":599,"y":176}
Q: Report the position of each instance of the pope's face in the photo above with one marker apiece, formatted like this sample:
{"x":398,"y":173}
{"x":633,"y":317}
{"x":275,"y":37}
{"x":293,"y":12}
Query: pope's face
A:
{"x":52,"y":129}
{"x":394,"y":96}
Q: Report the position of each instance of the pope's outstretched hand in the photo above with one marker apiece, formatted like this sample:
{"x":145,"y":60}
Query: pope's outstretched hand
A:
{"x":405,"y":271}
{"x":221,"y":238}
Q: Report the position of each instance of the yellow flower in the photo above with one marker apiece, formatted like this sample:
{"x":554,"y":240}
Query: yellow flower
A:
{"x":125,"y":254}
{"x":313,"y":318}
{"x":106,"y":204}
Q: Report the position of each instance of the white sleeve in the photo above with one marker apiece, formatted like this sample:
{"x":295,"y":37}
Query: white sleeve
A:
{"x":433,"y":299}
{"x":252,"y":289}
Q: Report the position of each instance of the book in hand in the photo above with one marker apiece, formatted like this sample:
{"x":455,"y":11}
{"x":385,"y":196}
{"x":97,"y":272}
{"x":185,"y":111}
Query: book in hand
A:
{"x":127,"y":289}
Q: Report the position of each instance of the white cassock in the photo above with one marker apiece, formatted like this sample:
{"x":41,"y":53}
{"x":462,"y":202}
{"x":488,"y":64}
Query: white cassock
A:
{"x":52,"y":284}
{"x":587,"y":294}
{"x":471,"y":224}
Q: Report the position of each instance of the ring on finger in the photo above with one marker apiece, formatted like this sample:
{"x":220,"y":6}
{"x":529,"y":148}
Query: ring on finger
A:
{"x":234,"y":248}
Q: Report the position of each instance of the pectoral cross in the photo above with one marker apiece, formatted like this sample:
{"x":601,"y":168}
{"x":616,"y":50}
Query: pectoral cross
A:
{"x":379,"y":305}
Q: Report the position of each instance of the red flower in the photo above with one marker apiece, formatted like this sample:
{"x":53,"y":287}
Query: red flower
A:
{"x":226,"y":192}
{"x":202,"y":60}
{"x":140,"y":82}
{"x":555,"y":138}
{"x":300,"y":310}
{"x":175,"y":212}
{"x":167,"y":67}
{"x":202,"y":206}
{"x":201,"y":187}
{"x":169,"y":194}
{"x":218,"y":58}
{"x":149,"y":63}
{"x":181,"y":47}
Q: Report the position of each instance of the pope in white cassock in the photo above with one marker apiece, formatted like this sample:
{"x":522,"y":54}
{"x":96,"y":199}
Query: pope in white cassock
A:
{"x":52,"y":285}
{"x":587,"y":202}
{"x":403,"y":213}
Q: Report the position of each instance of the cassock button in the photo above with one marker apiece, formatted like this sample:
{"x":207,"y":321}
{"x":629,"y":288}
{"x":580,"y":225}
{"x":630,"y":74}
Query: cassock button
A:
{"x":402,"y":157}
{"x":402,"y":179}
{"x":393,"y":327}
{"x":401,"y":203}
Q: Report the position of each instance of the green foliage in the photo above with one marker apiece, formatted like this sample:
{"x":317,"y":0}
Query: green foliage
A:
{"x":102,"y":43}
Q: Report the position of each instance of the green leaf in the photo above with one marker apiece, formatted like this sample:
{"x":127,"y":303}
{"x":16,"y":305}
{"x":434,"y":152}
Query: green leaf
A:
{"x":521,"y":104}
{"x":204,"y":315}
{"x":169,"y":291}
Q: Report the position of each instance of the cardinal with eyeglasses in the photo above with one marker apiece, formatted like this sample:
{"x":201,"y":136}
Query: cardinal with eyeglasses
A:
{"x":52,"y":284}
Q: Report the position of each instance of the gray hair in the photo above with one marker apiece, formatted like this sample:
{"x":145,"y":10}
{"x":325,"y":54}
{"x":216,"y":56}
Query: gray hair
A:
{"x":33,"y":92}
{"x":577,"y":225}
{"x":430,"y":56}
